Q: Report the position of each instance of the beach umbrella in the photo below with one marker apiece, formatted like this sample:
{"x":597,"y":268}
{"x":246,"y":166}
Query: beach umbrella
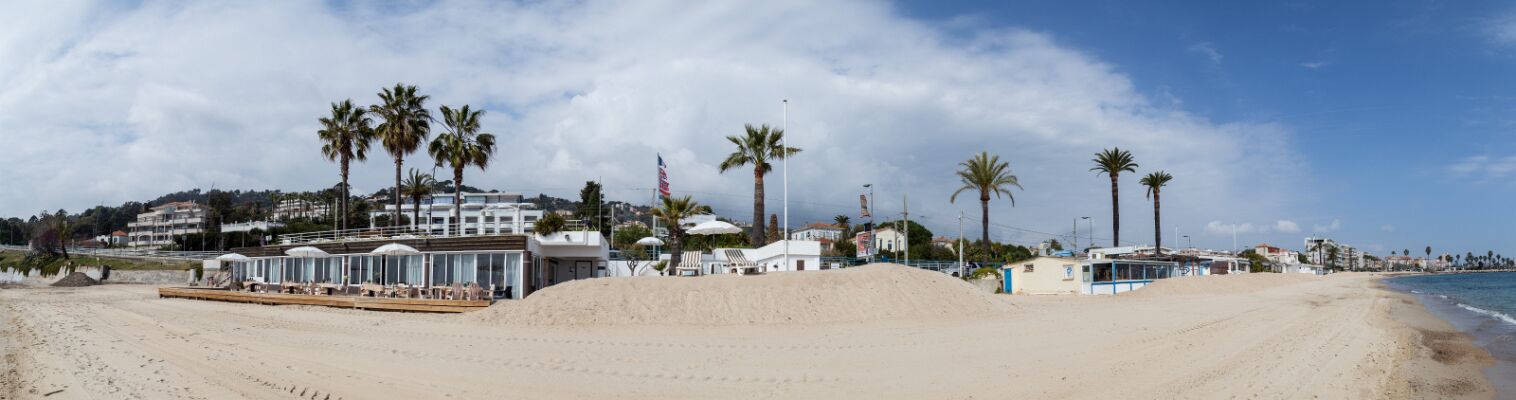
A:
{"x":650,"y":241}
{"x":233,"y":257}
{"x":395,"y":249}
{"x":306,"y":251}
{"x":714,"y":228}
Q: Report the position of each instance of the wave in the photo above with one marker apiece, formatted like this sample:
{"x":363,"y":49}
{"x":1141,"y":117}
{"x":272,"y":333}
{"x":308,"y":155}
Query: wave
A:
{"x":1491,"y":314}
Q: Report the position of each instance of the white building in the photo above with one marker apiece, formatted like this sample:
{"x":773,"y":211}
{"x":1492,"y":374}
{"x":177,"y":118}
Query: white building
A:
{"x":889,"y":239}
{"x":817,"y":231}
{"x":493,"y":213}
{"x":250,"y":226}
{"x":158,"y":227}
{"x":117,"y":238}
{"x":805,"y":255}
{"x":299,"y":208}
{"x":1277,"y":255}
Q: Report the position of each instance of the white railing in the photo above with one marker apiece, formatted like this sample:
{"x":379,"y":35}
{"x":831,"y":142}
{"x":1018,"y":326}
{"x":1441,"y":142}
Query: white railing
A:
{"x":131,"y":253}
{"x":405,"y":232}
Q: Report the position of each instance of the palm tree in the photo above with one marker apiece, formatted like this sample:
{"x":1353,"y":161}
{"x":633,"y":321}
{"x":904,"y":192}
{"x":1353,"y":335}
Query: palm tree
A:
{"x":671,"y":212}
{"x":759,"y":146}
{"x":988,"y":175}
{"x":1112,"y":162}
{"x":1156,"y":181}
{"x":461,"y":147}
{"x":345,"y":137}
{"x":417,"y":186}
{"x":843,"y":222}
{"x":406,"y":124}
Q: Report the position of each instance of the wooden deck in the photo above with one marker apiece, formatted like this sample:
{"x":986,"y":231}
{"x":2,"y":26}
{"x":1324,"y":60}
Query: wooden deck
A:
{"x":340,"y":301}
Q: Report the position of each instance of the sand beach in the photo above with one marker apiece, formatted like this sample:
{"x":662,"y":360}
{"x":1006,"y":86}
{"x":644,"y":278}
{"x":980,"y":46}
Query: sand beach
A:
{"x":870,"y":332}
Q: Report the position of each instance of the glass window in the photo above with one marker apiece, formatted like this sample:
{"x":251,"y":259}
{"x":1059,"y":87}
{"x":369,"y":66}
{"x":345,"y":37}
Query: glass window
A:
{"x":391,"y":269}
{"x":497,"y":271}
{"x":463,"y":268}
{"x":417,"y":268}
{"x":513,"y":284}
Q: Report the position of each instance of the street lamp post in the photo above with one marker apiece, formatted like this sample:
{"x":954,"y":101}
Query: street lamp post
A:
{"x":960,"y":246}
{"x":1092,"y":230}
{"x":870,"y":244}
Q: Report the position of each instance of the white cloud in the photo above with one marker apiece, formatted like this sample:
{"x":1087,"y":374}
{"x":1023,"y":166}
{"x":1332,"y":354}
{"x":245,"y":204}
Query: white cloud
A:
{"x":1315,"y":64}
{"x":1335,"y":225}
{"x":110,"y":103}
{"x":1482,"y":168}
{"x":1502,"y":29}
{"x":1221,"y":228}
{"x":1387,"y":228}
{"x":1208,"y":50}
{"x":1286,"y":226}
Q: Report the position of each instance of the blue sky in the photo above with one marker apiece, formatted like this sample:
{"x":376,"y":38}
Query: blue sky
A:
{"x":1386,"y":99}
{"x":1386,"y":125}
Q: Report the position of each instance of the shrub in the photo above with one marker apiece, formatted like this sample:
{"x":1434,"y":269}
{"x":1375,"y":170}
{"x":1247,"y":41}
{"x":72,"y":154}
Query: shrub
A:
{"x":984,"y":273}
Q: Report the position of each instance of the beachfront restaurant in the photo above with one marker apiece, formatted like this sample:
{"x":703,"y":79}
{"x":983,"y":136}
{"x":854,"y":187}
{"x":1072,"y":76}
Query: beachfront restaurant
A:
{"x":1065,"y":275}
{"x":507,"y":266}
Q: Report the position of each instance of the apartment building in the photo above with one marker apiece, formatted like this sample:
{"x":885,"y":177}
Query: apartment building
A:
{"x":482,"y":213}
{"x":157,"y":228}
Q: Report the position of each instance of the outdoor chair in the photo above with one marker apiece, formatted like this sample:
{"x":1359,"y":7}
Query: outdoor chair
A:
{"x":739,"y":264}
{"x":689,"y":262}
{"x":455,"y":292}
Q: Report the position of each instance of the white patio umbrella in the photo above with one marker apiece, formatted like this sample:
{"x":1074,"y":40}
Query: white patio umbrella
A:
{"x":650,"y":241}
{"x":395,"y":249}
{"x":233,"y":257}
{"x":713,"y":228}
{"x":306,"y":251}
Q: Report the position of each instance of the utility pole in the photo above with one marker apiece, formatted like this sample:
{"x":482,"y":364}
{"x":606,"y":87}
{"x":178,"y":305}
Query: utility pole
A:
{"x":1074,"y":245}
{"x":785,"y":162}
{"x":905,"y":211}
{"x":960,"y":244}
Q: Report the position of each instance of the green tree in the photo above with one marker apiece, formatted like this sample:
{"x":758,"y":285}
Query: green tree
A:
{"x":406,"y":125}
{"x":549,"y":224}
{"x":1155,"y":181}
{"x":987,"y":175}
{"x":671,"y":212}
{"x":417,"y":186}
{"x":345,"y":137}
{"x":758,"y":147}
{"x":1112,"y":162}
{"x":462,"y":146}
{"x":589,"y":208}
{"x":627,"y":237}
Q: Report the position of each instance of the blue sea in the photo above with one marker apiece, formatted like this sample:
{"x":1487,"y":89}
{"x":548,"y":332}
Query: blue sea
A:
{"x":1480,"y":304}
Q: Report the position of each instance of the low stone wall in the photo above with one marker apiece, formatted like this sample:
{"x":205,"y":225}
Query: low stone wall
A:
{"x":150,"y":277}
{"x":36,"y":278}
{"x":987,"y":285}
{"x":155,"y":277}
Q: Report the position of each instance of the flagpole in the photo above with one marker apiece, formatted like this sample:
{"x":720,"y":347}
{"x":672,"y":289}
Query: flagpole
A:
{"x":783,"y":151}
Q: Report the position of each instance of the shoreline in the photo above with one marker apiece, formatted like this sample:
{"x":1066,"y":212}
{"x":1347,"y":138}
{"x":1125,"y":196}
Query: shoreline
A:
{"x":1473,"y":329}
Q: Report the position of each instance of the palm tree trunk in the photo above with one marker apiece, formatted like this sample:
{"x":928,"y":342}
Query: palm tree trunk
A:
{"x":458,"y":198}
{"x":984,"y":223}
{"x":416,"y":211}
{"x":343,"y":204}
{"x":1115,"y":214}
{"x":755,"y":239}
{"x":1157,"y":225}
{"x":396,"y":194}
{"x":677,"y":236}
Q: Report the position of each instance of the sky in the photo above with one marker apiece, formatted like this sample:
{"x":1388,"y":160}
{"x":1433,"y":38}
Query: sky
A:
{"x":1387,"y":125}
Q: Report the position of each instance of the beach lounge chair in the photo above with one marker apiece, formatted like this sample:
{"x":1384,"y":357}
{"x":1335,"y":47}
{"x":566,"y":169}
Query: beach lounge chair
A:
{"x":738,"y":264}
{"x":689,"y":264}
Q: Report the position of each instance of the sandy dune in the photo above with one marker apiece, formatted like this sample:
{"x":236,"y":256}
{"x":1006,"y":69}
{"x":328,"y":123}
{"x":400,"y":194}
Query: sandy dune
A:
{"x":1337,"y":337}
